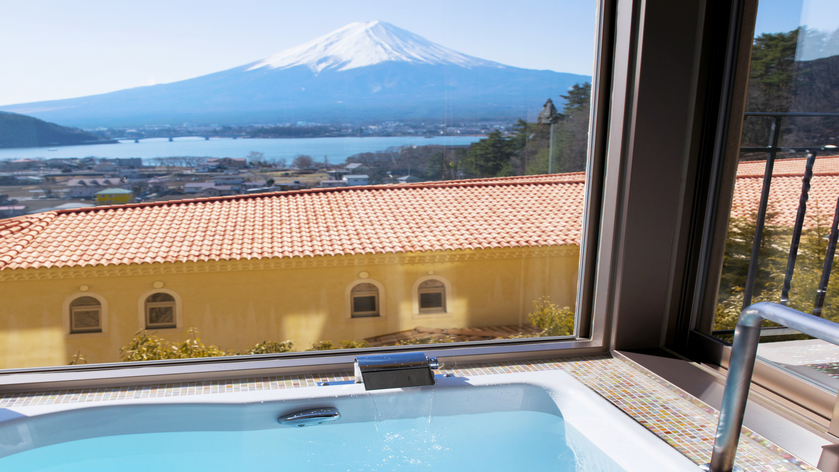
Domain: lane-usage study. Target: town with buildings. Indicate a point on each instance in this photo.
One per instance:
(37, 185)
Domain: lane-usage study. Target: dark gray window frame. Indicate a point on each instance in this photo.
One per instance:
(714, 176)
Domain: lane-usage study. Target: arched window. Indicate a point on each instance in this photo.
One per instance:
(364, 300)
(160, 311)
(85, 315)
(432, 296)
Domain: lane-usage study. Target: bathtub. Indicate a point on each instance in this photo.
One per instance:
(526, 421)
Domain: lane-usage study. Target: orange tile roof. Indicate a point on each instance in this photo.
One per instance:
(567, 177)
(523, 211)
(795, 166)
(492, 213)
(785, 190)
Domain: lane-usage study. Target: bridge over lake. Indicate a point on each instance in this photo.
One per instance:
(172, 138)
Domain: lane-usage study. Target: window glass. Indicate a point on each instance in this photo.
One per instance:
(368, 174)
(160, 297)
(160, 311)
(792, 125)
(365, 300)
(431, 301)
(364, 305)
(85, 315)
(432, 296)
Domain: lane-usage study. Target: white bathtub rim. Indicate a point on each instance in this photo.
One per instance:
(623, 439)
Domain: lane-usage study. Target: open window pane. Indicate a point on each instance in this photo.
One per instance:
(332, 182)
(787, 187)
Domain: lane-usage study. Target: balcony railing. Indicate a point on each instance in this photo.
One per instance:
(772, 150)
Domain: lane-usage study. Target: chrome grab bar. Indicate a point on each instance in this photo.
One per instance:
(310, 417)
(741, 366)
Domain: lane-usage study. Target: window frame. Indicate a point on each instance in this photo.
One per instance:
(613, 27)
(379, 295)
(142, 310)
(418, 312)
(83, 308)
(167, 304)
(67, 314)
(437, 308)
(690, 330)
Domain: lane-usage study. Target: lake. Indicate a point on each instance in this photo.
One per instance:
(335, 149)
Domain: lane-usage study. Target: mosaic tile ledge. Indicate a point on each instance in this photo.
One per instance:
(784, 455)
(661, 407)
(831, 368)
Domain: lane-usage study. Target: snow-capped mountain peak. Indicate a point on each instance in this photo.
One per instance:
(364, 44)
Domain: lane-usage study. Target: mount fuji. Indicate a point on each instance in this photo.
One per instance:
(363, 72)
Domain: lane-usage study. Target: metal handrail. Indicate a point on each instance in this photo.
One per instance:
(742, 364)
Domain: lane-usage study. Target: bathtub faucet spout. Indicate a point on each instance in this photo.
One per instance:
(404, 369)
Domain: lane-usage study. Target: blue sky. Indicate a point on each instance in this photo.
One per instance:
(81, 47)
(75, 48)
(786, 15)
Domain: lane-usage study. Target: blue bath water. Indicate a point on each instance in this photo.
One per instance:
(504, 441)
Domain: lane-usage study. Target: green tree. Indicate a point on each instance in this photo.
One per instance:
(578, 99)
(256, 158)
(437, 166)
(772, 263)
(571, 139)
(303, 162)
(570, 135)
(772, 71)
(529, 143)
(738, 251)
(489, 157)
(771, 78)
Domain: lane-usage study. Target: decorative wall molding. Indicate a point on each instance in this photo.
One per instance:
(201, 267)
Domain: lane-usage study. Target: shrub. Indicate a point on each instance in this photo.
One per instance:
(321, 346)
(327, 345)
(78, 358)
(271, 347)
(551, 319)
(148, 347)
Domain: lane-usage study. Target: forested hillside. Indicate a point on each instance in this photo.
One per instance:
(25, 131)
(780, 83)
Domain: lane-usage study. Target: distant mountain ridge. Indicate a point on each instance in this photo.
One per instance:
(18, 131)
(362, 72)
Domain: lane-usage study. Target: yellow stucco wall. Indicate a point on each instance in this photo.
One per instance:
(237, 304)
